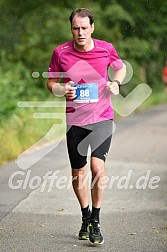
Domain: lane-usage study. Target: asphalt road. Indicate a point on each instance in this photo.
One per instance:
(134, 211)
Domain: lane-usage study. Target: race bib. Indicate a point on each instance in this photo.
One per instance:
(87, 92)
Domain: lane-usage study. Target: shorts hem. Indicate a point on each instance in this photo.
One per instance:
(79, 166)
(99, 157)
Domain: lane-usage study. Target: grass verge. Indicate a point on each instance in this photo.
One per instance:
(22, 130)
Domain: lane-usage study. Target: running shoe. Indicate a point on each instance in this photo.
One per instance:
(95, 236)
(84, 233)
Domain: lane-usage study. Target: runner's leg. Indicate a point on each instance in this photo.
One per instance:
(97, 187)
(80, 186)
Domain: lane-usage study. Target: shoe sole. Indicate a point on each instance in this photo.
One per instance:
(96, 243)
(83, 238)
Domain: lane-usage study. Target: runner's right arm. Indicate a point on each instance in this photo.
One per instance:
(67, 90)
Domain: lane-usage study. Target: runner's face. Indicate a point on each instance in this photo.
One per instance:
(82, 30)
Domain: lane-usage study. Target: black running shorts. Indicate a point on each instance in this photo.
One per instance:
(97, 135)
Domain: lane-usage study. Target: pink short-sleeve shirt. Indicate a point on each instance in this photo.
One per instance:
(86, 67)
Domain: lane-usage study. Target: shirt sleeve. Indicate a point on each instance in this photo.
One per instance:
(54, 67)
(115, 61)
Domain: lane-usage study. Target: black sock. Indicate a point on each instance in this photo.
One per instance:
(86, 212)
(95, 214)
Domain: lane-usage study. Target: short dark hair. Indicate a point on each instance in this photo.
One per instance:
(82, 12)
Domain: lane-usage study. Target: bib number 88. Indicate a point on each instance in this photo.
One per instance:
(84, 93)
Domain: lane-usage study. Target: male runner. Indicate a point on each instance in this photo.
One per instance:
(89, 111)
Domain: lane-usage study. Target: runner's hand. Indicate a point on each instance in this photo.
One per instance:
(70, 92)
(113, 87)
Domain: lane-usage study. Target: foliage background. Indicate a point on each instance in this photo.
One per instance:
(30, 30)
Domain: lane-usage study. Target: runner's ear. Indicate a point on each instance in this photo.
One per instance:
(92, 27)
